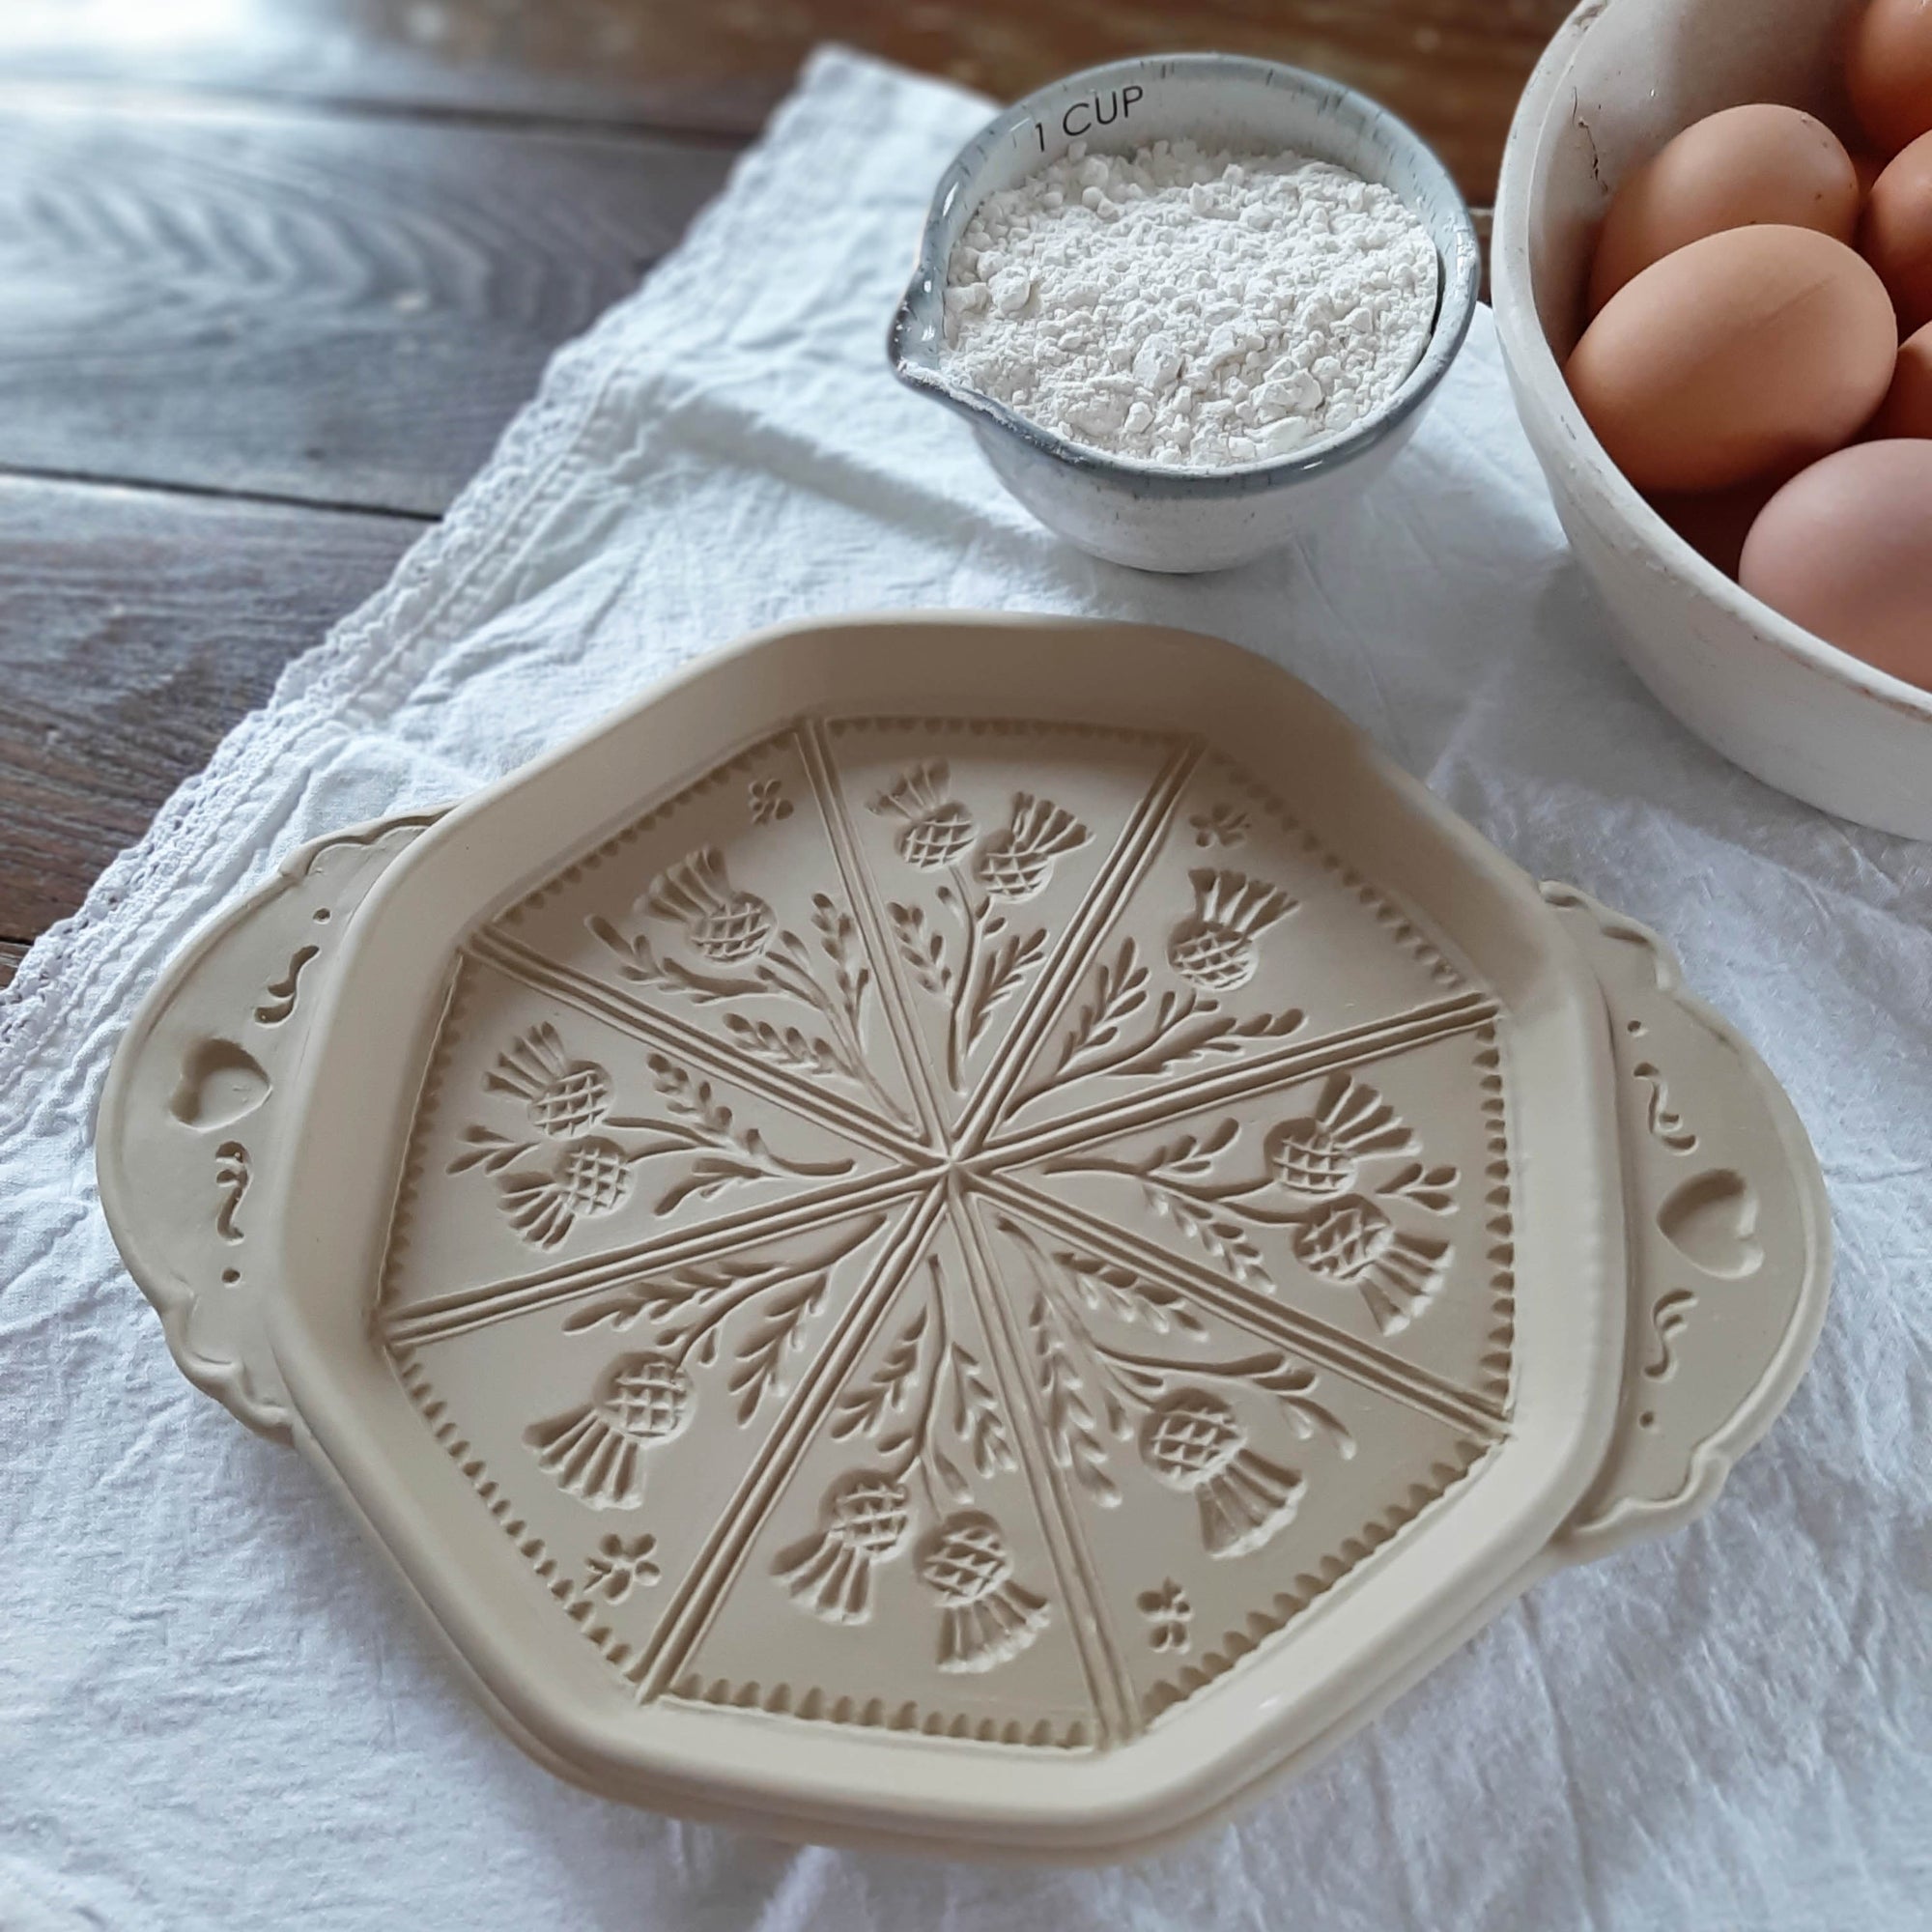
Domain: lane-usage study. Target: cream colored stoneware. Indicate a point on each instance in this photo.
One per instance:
(966, 1233)
(1618, 81)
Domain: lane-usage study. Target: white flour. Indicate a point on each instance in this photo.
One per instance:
(1190, 309)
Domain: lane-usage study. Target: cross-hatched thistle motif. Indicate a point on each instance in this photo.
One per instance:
(564, 1096)
(1082, 1364)
(1214, 947)
(596, 1451)
(727, 926)
(1017, 861)
(937, 828)
(988, 1617)
(1322, 1152)
(1338, 1243)
(863, 1519)
(1354, 1243)
(592, 1176)
(1194, 1440)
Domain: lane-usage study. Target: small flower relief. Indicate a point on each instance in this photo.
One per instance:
(727, 926)
(620, 1564)
(937, 829)
(1221, 824)
(767, 800)
(1168, 1613)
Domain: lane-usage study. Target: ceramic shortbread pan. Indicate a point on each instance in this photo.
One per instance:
(961, 1231)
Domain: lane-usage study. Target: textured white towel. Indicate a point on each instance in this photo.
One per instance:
(214, 1708)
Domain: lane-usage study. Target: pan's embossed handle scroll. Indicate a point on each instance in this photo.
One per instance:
(186, 1143)
(1729, 1240)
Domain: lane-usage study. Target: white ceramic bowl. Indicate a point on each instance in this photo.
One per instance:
(1144, 514)
(1619, 79)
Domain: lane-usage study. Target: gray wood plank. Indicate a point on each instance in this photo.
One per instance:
(11, 952)
(313, 306)
(630, 63)
(135, 628)
(1451, 68)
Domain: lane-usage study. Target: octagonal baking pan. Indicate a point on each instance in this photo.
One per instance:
(954, 1231)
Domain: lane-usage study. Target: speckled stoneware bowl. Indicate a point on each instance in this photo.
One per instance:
(1149, 514)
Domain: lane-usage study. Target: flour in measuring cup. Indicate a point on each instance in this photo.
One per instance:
(1190, 309)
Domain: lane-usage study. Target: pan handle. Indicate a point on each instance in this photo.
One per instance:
(1729, 1240)
(189, 1139)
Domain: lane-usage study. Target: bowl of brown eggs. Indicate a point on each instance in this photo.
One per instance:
(1713, 282)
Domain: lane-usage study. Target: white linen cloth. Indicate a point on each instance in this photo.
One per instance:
(215, 1709)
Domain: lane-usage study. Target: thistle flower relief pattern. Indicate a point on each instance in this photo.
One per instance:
(596, 1451)
(865, 1519)
(1194, 1441)
(960, 937)
(980, 1245)
(987, 1614)
(1217, 944)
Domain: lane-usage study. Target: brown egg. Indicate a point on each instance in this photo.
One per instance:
(1747, 164)
(1889, 70)
(1897, 233)
(1845, 549)
(1908, 404)
(1743, 352)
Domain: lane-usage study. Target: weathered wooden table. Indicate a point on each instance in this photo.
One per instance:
(274, 273)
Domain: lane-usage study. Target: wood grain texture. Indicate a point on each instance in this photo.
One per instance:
(303, 305)
(11, 952)
(1452, 68)
(318, 250)
(135, 628)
